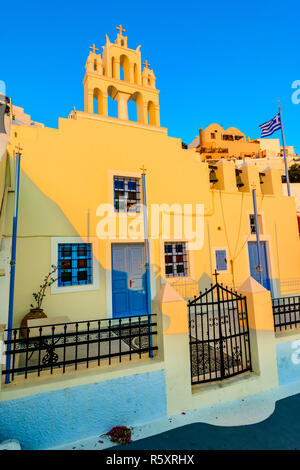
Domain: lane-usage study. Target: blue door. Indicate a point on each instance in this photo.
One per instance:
(253, 258)
(128, 280)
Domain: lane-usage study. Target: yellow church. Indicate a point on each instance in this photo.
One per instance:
(81, 189)
(143, 269)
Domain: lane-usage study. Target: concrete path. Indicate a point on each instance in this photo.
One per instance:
(267, 420)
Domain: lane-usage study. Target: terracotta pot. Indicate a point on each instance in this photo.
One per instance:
(32, 315)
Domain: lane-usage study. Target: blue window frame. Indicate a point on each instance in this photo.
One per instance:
(75, 264)
(221, 261)
(127, 196)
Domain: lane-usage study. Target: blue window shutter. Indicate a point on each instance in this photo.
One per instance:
(221, 260)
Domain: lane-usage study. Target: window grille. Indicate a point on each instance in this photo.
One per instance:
(175, 259)
(75, 264)
(252, 224)
(127, 196)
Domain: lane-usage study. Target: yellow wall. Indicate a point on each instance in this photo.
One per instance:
(68, 171)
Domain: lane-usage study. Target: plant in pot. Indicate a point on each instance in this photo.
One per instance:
(36, 310)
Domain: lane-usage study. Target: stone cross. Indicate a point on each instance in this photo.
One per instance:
(94, 48)
(216, 274)
(143, 170)
(121, 29)
(146, 64)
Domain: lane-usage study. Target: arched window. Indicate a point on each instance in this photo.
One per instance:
(137, 98)
(121, 73)
(95, 105)
(132, 110)
(151, 113)
(112, 104)
(97, 101)
(112, 107)
(124, 63)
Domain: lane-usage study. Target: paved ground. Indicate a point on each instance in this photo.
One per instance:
(269, 420)
(281, 431)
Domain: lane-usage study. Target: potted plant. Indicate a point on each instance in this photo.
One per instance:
(36, 310)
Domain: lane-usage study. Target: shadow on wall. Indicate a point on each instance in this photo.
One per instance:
(40, 220)
(205, 282)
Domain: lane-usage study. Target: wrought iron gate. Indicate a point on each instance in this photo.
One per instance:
(219, 335)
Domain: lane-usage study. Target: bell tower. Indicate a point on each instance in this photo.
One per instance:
(103, 79)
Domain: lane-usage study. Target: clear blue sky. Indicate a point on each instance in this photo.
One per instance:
(225, 62)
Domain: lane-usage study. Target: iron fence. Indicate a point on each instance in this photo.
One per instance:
(286, 312)
(219, 335)
(61, 346)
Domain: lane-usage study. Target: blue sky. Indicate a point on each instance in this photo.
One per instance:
(226, 62)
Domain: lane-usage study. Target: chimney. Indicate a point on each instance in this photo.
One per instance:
(200, 137)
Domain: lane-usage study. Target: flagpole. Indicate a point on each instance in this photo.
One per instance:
(13, 265)
(259, 266)
(284, 153)
(147, 256)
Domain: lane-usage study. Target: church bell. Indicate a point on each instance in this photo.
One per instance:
(239, 181)
(213, 177)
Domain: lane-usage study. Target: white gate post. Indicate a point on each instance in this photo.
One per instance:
(261, 329)
(176, 348)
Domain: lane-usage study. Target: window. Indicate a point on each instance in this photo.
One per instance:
(253, 226)
(126, 194)
(221, 261)
(227, 137)
(213, 136)
(175, 259)
(74, 264)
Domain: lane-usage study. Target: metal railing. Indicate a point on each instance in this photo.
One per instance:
(286, 312)
(61, 346)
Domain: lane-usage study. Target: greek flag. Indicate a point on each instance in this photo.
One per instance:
(271, 126)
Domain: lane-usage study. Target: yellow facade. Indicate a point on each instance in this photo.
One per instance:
(67, 173)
